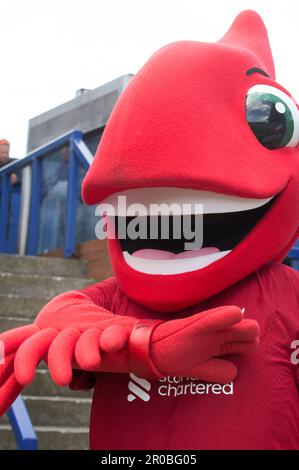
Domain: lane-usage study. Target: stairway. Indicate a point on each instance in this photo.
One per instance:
(60, 416)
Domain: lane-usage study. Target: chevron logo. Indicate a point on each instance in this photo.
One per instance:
(138, 388)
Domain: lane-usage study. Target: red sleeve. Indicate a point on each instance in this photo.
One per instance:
(86, 308)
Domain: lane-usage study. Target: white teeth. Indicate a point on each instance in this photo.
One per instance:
(127, 202)
(173, 266)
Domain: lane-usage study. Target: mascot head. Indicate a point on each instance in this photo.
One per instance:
(202, 123)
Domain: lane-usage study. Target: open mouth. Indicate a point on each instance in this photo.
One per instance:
(226, 221)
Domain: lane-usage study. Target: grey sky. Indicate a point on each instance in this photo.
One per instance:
(49, 49)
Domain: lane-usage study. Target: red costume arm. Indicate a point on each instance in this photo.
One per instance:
(76, 330)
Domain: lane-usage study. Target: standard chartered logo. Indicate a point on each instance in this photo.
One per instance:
(138, 388)
(174, 387)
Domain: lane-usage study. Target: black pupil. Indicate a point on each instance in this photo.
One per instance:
(268, 125)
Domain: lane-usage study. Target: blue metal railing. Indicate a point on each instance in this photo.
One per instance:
(294, 256)
(22, 428)
(14, 212)
(12, 230)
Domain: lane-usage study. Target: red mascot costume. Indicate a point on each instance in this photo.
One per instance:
(188, 349)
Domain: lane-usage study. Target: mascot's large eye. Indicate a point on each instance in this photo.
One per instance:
(272, 116)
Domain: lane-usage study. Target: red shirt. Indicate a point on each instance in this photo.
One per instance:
(260, 410)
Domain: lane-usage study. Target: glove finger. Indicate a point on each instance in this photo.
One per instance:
(8, 393)
(209, 321)
(13, 338)
(30, 353)
(214, 370)
(7, 368)
(239, 348)
(87, 351)
(60, 356)
(218, 319)
(245, 330)
(114, 338)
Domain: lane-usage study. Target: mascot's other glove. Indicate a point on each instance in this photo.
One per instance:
(190, 347)
(72, 332)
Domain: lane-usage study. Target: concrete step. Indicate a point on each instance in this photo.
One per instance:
(44, 386)
(8, 323)
(46, 266)
(56, 411)
(13, 305)
(50, 438)
(39, 286)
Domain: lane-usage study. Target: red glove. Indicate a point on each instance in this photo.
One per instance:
(190, 347)
(72, 331)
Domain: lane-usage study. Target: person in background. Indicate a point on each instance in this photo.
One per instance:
(5, 159)
(54, 190)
